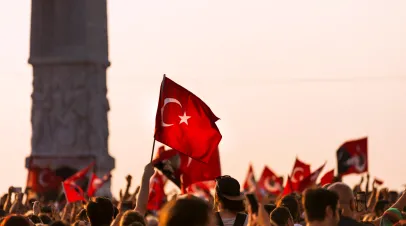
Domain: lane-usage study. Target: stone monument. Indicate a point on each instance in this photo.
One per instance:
(69, 56)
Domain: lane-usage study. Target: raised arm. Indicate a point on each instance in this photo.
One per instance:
(142, 200)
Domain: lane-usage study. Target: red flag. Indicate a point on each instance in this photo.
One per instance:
(310, 180)
(250, 182)
(73, 192)
(269, 183)
(300, 171)
(201, 189)
(80, 174)
(352, 157)
(96, 183)
(378, 182)
(157, 196)
(185, 123)
(42, 180)
(185, 171)
(328, 178)
(288, 188)
(197, 171)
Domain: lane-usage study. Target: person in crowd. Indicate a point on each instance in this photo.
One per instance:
(100, 211)
(269, 208)
(321, 207)
(393, 197)
(151, 220)
(229, 202)
(281, 217)
(82, 216)
(348, 212)
(81, 223)
(190, 211)
(132, 218)
(15, 220)
(380, 207)
(34, 219)
(59, 223)
(45, 218)
(292, 204)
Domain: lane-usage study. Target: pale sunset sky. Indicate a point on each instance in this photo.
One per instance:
(286, 78)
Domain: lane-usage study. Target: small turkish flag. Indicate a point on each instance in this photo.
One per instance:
(250, 182)
(185, 123)
(328, 178)
(96, 183)
(269, 183)
(352, 157)
(310, 180)
(300, 171)
(378, 182)
(73, 192)
(157, 196)
(80, 174)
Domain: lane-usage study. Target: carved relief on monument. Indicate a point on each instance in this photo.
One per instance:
(69, 111)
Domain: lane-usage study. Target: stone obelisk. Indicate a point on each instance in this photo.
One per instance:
(69, 56)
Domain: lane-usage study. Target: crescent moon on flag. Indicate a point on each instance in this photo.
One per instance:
(293, 179)
(167, 101)
(272, 188)
(41, 179)
(359, 164)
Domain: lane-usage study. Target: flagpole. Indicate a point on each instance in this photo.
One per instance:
(160, 94)
(153, 148)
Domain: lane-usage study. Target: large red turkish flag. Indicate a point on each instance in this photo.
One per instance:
(352, 157)
(185, 123)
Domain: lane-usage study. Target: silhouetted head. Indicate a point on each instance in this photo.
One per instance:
(100, 211)
(190, 211)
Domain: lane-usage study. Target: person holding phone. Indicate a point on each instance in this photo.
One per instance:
(229, 202)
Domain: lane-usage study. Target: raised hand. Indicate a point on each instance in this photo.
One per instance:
(133, 198)
(129, 179)
(36, 208)
(149, 171)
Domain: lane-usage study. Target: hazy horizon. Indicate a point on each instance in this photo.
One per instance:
(287, 79)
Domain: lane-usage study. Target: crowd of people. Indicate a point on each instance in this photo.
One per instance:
(333, 204)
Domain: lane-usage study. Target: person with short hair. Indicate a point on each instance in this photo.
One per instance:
(189, 211)
(132, 217)
(45, 219)
(15, 220)
(281, 216)
(347, 204)
(321, 207)
(292, 204)
(100, 211)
